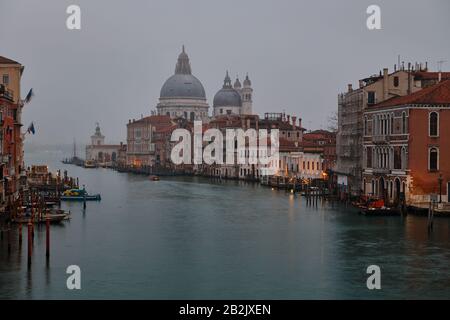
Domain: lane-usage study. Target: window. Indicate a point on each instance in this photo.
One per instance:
(397, 158)
(433, 159)
(396, 81)
(433, 124)
(369, 157)
(371, 97)
(404, 127)
(392, 123)
(6, 79)
(365, 126)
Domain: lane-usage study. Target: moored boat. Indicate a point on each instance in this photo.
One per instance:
(90, 164)
(79, 195)
(154, 178)
(54, 216)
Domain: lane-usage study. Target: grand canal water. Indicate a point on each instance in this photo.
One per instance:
(189, 238)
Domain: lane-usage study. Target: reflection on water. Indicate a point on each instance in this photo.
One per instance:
(194, 238)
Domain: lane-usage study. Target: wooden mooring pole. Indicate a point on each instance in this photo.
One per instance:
(30, 242)
(430, 216)
(9, 238)
(20, 235)
(47, 236)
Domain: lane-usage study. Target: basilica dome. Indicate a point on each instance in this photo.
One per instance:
(182, 84)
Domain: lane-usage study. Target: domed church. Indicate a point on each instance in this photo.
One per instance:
(233, 100)
(183, 95)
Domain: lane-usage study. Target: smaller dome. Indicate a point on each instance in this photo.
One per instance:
(227, 96)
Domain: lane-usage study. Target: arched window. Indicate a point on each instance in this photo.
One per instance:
(434, 124)
(365, 126)
(404, 128)
(403, 158)
(433, 159)
(392, 123)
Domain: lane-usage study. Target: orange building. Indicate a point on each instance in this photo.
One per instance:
(8, 157)
(407, 147)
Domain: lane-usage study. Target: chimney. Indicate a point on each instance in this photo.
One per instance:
(300, 122)
(350, 89)
(439, 76)
(288, 119)
(385, 83)
(361, 84)
(409, 77)
(294, 118)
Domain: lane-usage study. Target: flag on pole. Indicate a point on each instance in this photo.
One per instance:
(29, 96)
(31, 128)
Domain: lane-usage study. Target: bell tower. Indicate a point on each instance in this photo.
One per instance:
(97, 138)
(247, 96)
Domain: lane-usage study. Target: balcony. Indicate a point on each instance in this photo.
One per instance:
(380, 170)
(380, 139)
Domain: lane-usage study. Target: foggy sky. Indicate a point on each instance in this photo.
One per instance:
(299, 54)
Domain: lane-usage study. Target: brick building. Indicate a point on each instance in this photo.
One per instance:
(352, 104)
(406, 146)
(11, 139)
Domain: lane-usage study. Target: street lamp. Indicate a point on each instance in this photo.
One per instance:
(440, 187)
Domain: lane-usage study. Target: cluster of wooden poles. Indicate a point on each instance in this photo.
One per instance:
(38, 208)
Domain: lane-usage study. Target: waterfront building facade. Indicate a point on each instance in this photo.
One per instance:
(101, 153)
(183, 95)
(11, 137)
(352, 104)
(322, 142)
(141, 143)
(405, 149)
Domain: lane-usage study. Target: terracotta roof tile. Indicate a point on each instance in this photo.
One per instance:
(4, 60)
